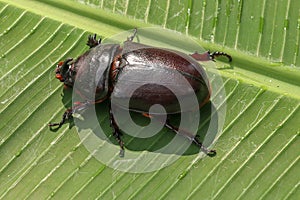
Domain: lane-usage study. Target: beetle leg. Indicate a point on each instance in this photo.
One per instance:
(201, 57)
(215, 54)
(79, 106)
(210, 153)
(193, 138)
(208, 56)
(92, 41)
(133, 35)
(67, 115)
(116, 132)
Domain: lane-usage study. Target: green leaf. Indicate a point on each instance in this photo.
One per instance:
(258, 149)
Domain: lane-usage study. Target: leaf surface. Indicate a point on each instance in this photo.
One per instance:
(258, 149)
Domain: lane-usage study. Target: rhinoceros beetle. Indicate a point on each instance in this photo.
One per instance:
(133, 58)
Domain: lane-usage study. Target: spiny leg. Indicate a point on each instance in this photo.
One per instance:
(194, 139)
(209, 152)
(68, 114)
(116, 131)
(208, 56)
(215, 54)
(92, 41)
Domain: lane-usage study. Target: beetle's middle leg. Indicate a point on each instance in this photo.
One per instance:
(116, 131)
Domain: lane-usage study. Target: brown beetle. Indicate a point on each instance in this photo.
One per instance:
(111, 63)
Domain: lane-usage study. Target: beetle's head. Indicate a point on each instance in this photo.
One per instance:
(65, 72)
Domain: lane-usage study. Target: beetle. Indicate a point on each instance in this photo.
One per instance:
(135, 59)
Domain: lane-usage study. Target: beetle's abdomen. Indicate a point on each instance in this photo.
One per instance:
(158, 76)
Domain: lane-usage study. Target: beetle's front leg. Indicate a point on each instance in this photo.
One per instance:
(68, 114)
(116, 131)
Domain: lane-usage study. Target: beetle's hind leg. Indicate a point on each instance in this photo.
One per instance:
(193, 138)
(92, 41)
(210, 56)
(116, 132)
(209, 152)
(215, 54)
